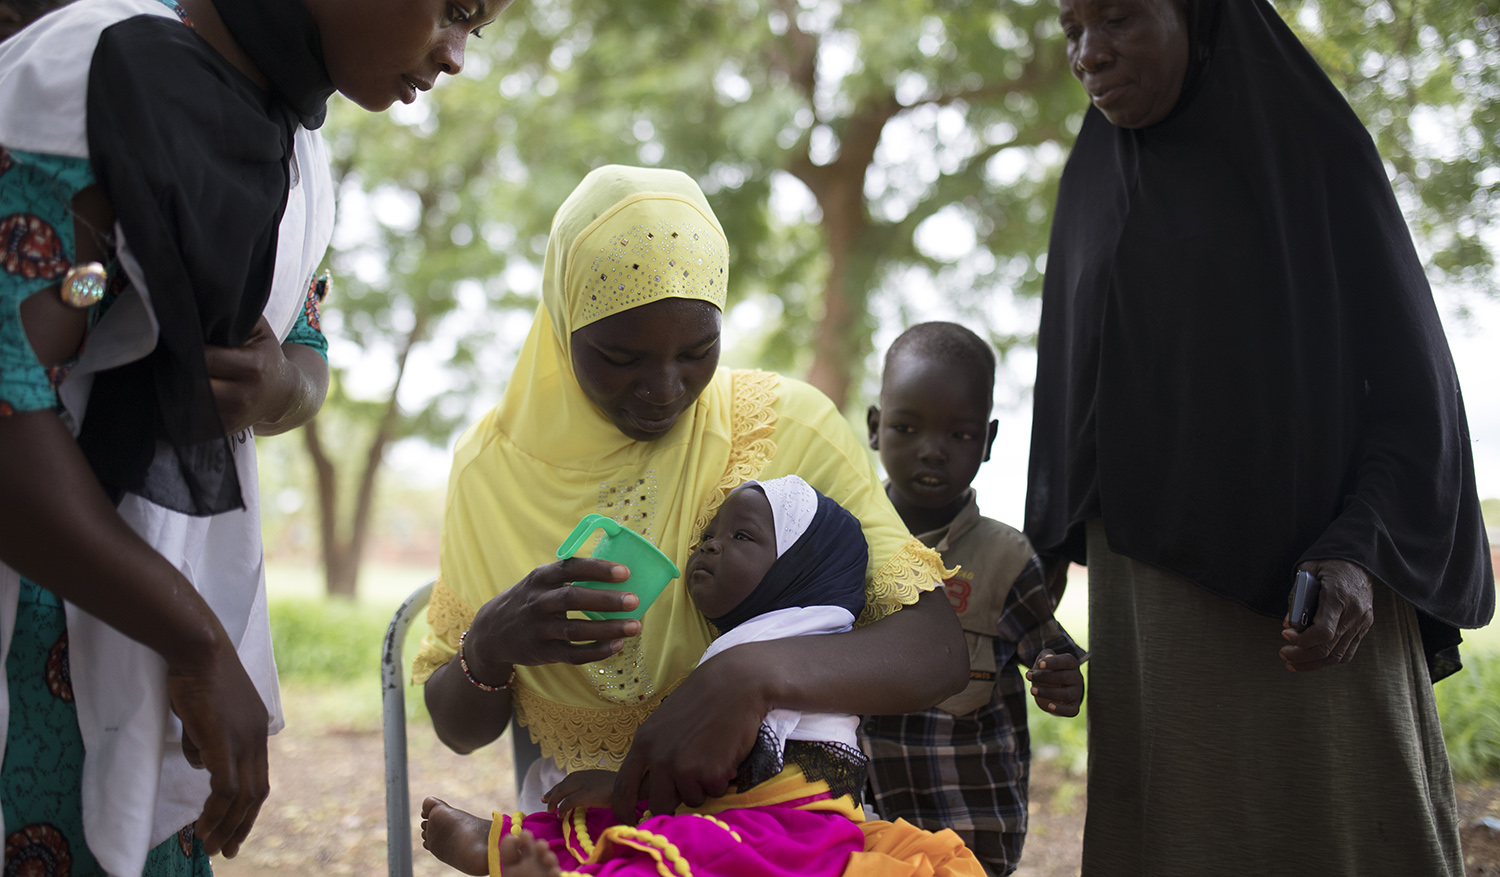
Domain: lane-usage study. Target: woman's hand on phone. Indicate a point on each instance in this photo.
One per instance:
(1345, 613)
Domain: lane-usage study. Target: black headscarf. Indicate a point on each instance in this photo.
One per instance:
(1240, 365)
(194, 159)
(824, 567)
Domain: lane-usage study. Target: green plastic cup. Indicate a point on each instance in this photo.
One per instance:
(650, 570)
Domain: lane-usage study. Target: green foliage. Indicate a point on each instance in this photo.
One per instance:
(328, 658)
(1469, 704)
(867, 159)
(1063, 739)
(327, 640)
(1490, 509)
(962, 111)
(1424, 76)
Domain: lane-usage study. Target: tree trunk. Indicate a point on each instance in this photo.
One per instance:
(839, 188)
(835, 338)
(343, 555)
(340, 576)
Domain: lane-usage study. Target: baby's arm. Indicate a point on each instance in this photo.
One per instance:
(581, 788)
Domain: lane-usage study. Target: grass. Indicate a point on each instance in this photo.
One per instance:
(1469, 704)
(328, 651)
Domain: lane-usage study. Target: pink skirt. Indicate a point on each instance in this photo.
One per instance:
(777, 840)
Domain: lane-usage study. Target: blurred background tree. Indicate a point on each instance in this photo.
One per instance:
(864, 157)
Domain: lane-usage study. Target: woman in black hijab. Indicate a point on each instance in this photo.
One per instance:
(1242, 374)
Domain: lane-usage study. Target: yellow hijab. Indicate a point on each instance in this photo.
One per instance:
(546, 456)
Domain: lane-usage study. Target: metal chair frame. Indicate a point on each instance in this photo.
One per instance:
(393, 724)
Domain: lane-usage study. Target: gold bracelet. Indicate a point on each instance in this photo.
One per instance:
(464, 665)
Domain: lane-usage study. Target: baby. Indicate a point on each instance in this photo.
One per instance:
(779, 559)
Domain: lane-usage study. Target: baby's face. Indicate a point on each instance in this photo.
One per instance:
(738, 548)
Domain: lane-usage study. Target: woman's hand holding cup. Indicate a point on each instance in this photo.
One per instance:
(529, 624)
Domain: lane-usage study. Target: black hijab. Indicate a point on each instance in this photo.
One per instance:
(824, 567)
(195, 160)
(1240, 365)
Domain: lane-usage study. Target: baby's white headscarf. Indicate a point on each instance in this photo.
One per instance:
(793, 505)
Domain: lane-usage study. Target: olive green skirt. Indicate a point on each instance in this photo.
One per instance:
(1207, 756)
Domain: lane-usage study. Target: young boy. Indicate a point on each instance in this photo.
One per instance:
(964, 764)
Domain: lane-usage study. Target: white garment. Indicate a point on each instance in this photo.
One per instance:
(138, 789)
(783, 724)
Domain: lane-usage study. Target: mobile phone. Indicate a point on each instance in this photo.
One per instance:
(1304, 600)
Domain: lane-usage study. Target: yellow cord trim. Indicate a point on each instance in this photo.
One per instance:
(448, 617)
(670, 862)
(910, 572)
(751, 426)
(575, 828)
(582, 738)
(515, 822)
(492, 852)
(722, 824)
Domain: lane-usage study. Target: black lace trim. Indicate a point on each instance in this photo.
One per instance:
(763, 762)
(843, 767)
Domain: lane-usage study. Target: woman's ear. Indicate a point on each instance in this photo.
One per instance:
(872, 422)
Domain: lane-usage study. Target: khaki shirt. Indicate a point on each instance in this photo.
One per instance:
(990, 556)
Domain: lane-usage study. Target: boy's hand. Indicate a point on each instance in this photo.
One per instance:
(581, 788)
(1056, 683)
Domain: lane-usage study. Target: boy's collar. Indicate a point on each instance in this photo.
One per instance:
(940, 538)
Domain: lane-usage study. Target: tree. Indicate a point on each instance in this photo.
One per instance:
(855, 152)
(401, 285)
(1424, 75)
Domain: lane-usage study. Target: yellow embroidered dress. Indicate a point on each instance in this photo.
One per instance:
(546, 456)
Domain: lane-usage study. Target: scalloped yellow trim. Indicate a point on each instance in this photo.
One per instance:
(657, 847)
(575, 828)
(910, 572)
(582, 738)
(752, 424)
(448, 617)
(722, 824)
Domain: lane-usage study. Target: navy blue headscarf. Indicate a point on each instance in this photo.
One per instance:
(824, 567)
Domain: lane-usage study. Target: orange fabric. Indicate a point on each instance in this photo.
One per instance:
(900, 849)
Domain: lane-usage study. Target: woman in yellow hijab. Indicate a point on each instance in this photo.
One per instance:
(617, 406)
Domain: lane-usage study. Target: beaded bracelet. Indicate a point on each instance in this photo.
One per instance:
(464, 665)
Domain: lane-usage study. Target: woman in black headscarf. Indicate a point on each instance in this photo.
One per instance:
(1242, 374)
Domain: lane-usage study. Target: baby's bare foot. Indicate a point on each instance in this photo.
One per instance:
(458, 839)
(522, 855)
